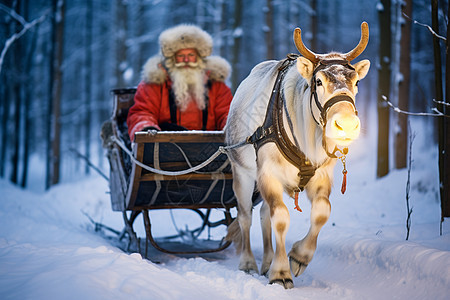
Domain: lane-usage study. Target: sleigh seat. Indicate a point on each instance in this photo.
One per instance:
(136, 189)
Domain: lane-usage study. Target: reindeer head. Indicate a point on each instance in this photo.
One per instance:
(333, 84)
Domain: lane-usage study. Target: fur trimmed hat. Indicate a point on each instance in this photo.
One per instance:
(218, 67)
(185, 36)
(153, 71)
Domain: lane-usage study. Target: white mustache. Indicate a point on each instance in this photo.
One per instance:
(184, 64)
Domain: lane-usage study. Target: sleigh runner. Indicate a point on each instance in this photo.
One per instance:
(138, 185)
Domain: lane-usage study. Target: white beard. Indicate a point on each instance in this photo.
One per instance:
(188, 84)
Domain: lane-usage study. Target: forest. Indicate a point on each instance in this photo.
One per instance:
(61, 59)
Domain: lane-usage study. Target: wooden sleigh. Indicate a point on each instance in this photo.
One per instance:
(136, 189)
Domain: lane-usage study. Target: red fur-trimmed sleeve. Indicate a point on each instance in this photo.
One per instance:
(146, 109)
(222, 99)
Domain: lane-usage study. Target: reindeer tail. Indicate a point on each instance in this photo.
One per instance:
(234, 235)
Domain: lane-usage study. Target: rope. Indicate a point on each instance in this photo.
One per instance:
(221, 150)
(231, 147)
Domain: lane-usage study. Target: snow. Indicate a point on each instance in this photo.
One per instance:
(238, 32)
(50, 250)
(380, 7)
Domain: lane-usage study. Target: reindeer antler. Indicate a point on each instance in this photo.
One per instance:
(361, 45)
(351, 55)
(302, 48)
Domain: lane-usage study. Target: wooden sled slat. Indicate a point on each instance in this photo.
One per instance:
(153, 177)
(210, 187)
(181, 137)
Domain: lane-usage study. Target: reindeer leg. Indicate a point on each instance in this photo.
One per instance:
(267, 238)
(272, 192)
(243, 186)
(302, 251)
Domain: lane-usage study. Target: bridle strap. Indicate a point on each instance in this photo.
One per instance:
(323, 110)
(332, 101)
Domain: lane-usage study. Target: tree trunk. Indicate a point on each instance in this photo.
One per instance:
(437, 55)
(17, 74)
(223, 49)
(120, 43)
(294, 19)
(314, 27)
(17, 112)
(439, 97)
(237, 36)
(4, 108)
(444, 172)
(401, 134)
(200, 15)
(384, 87)
(56, 85)
(28, 94)
(268, 30)
(141, 30)
(88, 79)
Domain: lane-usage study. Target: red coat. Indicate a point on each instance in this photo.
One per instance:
(151, 108)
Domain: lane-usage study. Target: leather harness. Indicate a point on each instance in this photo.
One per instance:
(273, 129)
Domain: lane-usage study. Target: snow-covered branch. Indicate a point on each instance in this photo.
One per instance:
(398, 110)
(13, 14)
(428, 27)
(26, 26)
(441, 102)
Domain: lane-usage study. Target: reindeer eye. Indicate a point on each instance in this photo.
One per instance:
(319, 82)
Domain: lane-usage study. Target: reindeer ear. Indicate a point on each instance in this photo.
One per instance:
(305, 67)
(362, 67)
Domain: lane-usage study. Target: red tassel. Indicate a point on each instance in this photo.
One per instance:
(344, 182)
(296, 202)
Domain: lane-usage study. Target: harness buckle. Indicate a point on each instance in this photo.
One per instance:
(259, 134)
(307, 171)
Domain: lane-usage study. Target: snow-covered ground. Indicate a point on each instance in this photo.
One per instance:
(49, 249)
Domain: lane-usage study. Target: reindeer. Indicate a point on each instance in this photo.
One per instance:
(299, 128)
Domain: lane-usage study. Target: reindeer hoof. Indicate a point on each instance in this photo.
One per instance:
(249, 268)
(286, 283)
(248, 264)
(297, 267)
(265, 270)
(250, 271)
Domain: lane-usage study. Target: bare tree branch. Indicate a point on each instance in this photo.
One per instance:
(26, 26)
(89, 163)
(441, 102)
(13, 14)
(427, 26)
(398, 110)
(431, 30)
(100, 226)
(409, 210)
